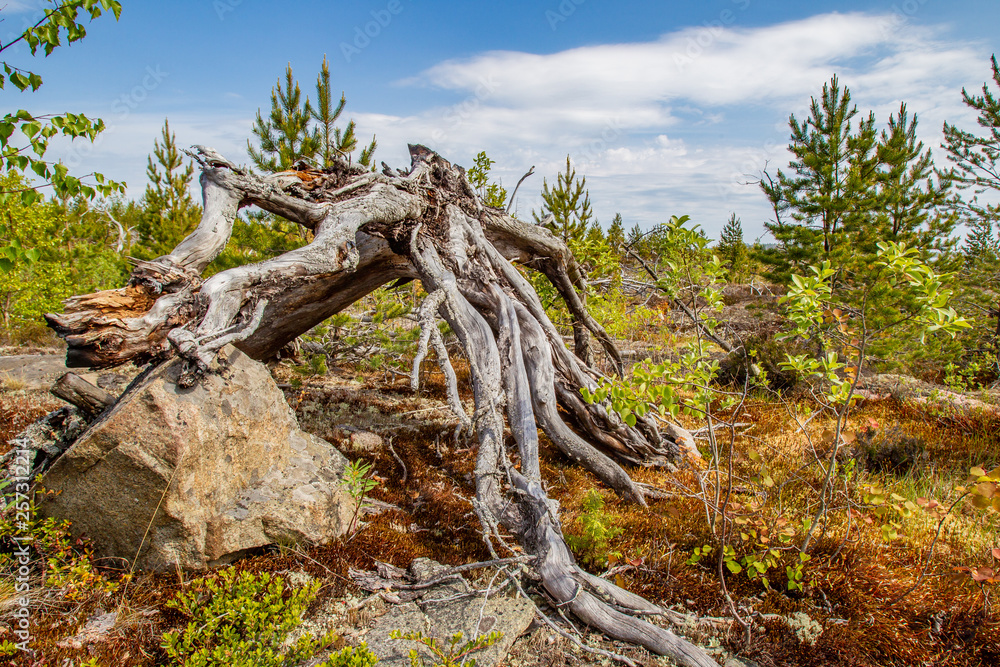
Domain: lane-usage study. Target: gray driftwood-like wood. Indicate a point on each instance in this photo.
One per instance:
(370, 229)
(75, 390)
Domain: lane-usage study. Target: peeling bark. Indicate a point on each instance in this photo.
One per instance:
(371, 229)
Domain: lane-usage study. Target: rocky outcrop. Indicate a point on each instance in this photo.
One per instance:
(906, 389)
(174, 477)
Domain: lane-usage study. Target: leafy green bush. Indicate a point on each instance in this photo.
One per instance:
(351, 657)
(243, 620)
(51, 252)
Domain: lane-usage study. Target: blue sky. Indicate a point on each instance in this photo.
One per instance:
(667, 107)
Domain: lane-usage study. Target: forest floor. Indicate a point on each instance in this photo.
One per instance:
(850, 608)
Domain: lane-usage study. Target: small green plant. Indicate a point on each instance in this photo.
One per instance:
(963, 378)
(359, 483)
(698, 554)
(449, 653)
(315, 366)
(241, 620)
(491, 194)
(351, 657)
(796, 573)
(597, 532)
(60, 563)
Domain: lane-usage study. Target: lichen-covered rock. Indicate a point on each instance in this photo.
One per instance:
(41, 442)
(194, 477)
(444, 610)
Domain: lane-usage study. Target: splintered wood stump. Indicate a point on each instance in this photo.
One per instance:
(75, 390)
(370, 229)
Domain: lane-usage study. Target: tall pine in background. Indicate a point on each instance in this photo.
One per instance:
(568, 202)
(295, 130)
(977, 157)
(169, 212)
(982, 245)
(616, 236)
(851, 187)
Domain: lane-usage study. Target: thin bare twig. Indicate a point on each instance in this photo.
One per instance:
(930, 554)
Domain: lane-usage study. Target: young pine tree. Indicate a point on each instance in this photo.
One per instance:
(295, 130)
(595, 234)
(912, 206)
(332, 140)
(982, 246)
(638, 242)
(832, 183)
(285, 136)
(731, 249)
(569, 204)
(616, 235)
(169, 212)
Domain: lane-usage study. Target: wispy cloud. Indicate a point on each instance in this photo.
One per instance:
(18, 6)
(635, 116)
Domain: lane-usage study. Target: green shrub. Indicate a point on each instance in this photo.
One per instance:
(57, 562)
(351, 657)
(243, 620)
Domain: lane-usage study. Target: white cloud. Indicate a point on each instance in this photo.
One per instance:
(716, 67)
(636, 118)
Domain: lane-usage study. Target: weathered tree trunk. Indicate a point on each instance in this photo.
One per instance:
(371, 229)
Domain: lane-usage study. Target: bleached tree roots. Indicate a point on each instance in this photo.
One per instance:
(370, 230)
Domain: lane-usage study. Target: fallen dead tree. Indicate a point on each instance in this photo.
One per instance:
(372, 229)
